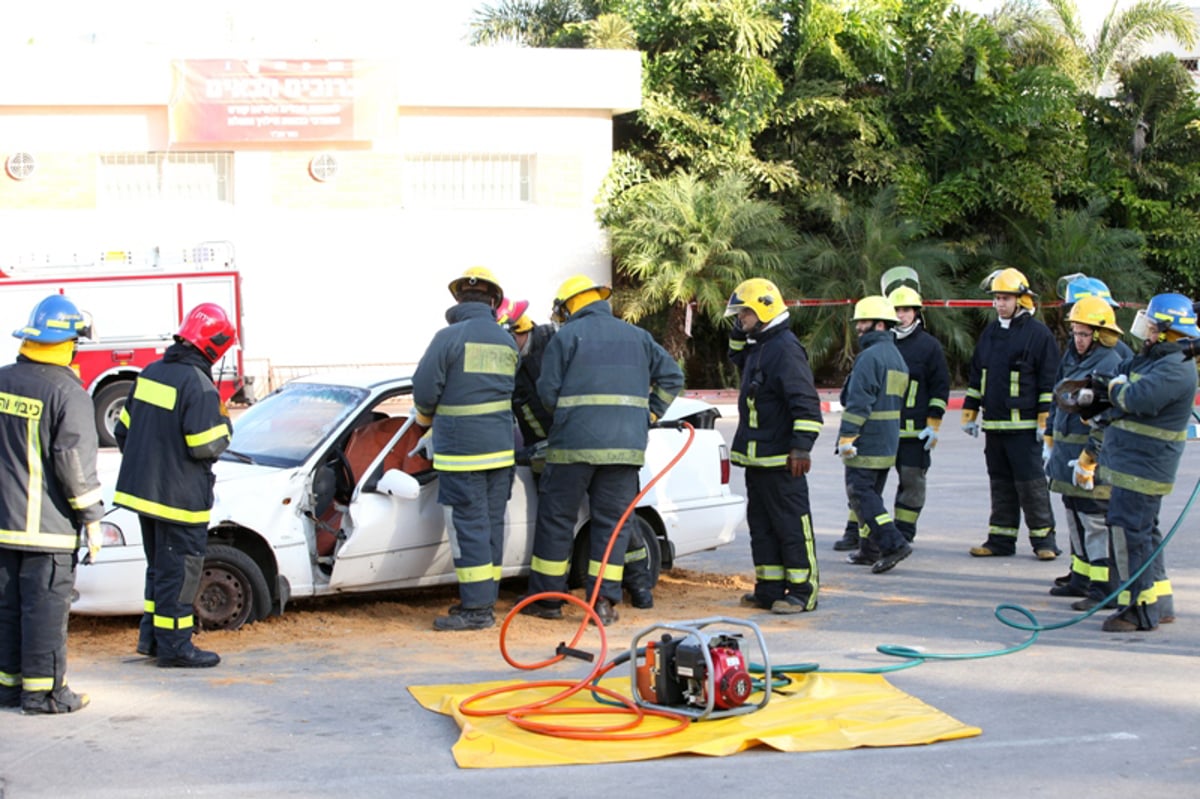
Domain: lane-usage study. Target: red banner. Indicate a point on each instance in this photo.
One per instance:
(270, 100)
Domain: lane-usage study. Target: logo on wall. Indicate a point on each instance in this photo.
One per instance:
(248, 100)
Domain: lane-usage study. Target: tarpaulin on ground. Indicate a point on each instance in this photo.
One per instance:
(818, 712)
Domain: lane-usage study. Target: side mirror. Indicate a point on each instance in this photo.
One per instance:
(398, 484)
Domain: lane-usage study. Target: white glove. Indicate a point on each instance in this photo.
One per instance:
(424, 447)
(1083, 476)
(93, 538)
(1046, 450)
(1114, 383)
(971, 428)
(930, 437)
(846, 449)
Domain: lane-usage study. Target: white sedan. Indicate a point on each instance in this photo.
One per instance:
(317, 495)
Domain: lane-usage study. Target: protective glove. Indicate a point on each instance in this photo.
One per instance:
(1114, 383)
(970, 422)
(846, 448)
(424, 447)
(1047, 447)
(799, 461)
(93, 538)
(930, 434)
(1084, 474)
(1043, 419)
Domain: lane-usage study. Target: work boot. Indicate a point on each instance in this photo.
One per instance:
(61, 700)
(542, 610)
(1046, 553)
(1066, 590)
(193, 658)
(790, 604)
(985, 551)
(460, 618)
(890, 559)
(847, 542)
(1065, 579)
(641, 598)
(1123, 622)
(11, 697)
(1089, 602)
(866, 555)
(147, 647)
(751, 600)
(605, 610)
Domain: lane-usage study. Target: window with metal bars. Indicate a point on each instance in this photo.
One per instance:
(468, 180)
(166, 177)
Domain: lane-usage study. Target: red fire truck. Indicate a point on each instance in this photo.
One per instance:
(136, 300)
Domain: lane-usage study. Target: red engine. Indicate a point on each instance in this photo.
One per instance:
(675, 671)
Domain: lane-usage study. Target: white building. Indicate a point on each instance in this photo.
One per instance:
(346, 239)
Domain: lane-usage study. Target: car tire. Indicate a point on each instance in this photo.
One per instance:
(108, 403)
(641, 531)
(233, 590)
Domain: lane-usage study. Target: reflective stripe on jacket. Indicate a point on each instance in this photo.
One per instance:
(1147, 425)
(778, 406)
(1071, 435)
(465, 383)
(48, 482)
(871, 400)
(603, 378)
(1012, 374)
(172, 429)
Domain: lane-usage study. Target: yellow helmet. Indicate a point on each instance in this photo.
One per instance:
(478, 278)
(905, 297)
(1094, 312)
(759, 295)
(576, 292)
(874, 308)
(1010, 281)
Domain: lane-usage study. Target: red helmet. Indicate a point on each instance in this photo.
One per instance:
(207, 327)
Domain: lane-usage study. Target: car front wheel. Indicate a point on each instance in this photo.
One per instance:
(640, 533)
(232, 590)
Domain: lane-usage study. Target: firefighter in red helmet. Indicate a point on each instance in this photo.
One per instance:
(171, 431)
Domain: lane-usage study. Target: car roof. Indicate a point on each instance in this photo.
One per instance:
(370, 377)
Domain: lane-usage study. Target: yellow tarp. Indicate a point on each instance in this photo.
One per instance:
(819, 712)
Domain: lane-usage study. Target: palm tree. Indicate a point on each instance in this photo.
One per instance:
(533, 23)
(847, 257)
(686, 242)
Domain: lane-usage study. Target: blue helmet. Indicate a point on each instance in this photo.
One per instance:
(1173, 312)
(1100, 289)
(1079, 286)
(53, 320)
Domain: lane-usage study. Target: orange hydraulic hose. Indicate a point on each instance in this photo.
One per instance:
(519, 714)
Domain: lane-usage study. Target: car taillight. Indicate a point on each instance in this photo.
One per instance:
(724, 465)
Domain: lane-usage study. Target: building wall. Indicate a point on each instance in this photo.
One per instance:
(353, 269)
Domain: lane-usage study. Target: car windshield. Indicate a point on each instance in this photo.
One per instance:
(286, 426)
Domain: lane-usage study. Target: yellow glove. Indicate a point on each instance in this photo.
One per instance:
(1084, 475)
(93, 539)
(846, 448)
(970, 422)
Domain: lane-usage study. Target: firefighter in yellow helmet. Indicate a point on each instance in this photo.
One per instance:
(604, 381)
(869, 435)
(1071, 448)
(779, 419)
(49, 489)
(1010, 386)
(463, 387)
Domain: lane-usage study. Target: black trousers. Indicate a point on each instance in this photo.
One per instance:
(35, 599)
(174, 564)
(781, 537)
(1018, 486)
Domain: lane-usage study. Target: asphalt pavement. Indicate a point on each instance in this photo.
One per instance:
(1079, 711)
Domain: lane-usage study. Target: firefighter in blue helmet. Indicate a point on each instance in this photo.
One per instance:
(463, 387)
(1152, 398)
(49, 488)
(605, 381)
(171, 431)
(779, 419)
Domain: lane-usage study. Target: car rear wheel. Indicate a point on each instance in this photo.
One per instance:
(232, 590)
(640, 532)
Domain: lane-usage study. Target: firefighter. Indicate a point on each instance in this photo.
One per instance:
(605, 381)
(463, 387)
(1011, 380)
(920, 417)
(50, 490)
(779, 419)
(1091, 349)
(171, 431)
(1152, 398)
(869, 436)
(534, 421)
